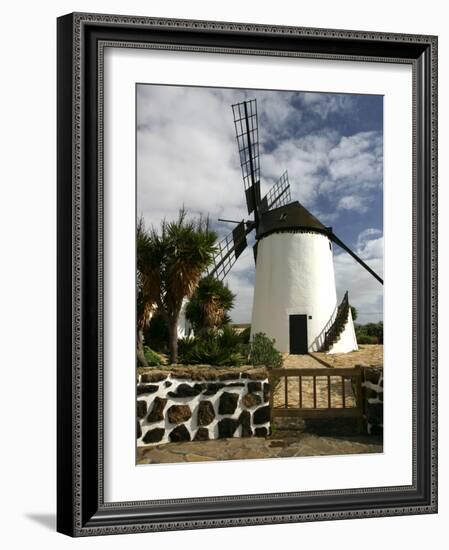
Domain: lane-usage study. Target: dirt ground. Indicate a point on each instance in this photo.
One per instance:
(367, 355)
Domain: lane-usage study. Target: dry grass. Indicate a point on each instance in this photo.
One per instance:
(367, 355)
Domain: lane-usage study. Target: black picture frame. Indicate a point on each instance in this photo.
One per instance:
(81, 509)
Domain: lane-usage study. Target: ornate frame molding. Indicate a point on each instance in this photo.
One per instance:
(81, 42)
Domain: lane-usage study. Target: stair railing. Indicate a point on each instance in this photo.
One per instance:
(337, 327)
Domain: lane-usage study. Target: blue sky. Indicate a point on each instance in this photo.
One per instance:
(331, 145)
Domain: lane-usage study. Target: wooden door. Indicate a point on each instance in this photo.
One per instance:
(298, 334)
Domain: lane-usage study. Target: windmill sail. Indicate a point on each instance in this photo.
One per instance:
(342, 245)
(247, 134)
(278, 195)
(229, 249)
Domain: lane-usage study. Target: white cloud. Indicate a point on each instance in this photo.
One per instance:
(306, 160)
(274, 112)
(366, 235)
(357, 161)
(326, 164)
(241, 281)
(325, 104)
(365, 292)
(186, 154)
(352, 202)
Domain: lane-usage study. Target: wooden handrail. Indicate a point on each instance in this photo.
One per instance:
(338, 371)
(338, 325)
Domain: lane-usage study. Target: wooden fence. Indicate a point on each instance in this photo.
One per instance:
(349, 403)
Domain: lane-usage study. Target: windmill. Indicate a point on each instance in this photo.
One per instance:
(295, 299)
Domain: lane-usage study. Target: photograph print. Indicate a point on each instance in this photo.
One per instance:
(259, 274)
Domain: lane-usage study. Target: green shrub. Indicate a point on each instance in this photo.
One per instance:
(223, 348)
(152, 357)
(263, 352)
(228, 338)
(365, 339)
(186, 346)
(371, 333)
(245, 335)
(209, 306)
(156, 333)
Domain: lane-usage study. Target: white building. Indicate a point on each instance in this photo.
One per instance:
(295, 300)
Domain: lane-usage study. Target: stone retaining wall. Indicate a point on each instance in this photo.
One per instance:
(373, 398)
(201, 403)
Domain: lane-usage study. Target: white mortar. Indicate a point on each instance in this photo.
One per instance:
(193, 402)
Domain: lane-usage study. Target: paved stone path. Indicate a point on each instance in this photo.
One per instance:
(293, 445)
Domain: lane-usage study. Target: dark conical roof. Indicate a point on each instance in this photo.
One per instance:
(291, 217)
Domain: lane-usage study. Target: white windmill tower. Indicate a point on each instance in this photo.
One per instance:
(295, 299)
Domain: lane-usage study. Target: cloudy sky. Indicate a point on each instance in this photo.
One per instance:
(331, 145)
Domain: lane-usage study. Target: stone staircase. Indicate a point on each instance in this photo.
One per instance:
(333, 334)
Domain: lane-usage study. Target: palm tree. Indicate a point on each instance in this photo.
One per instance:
(170, 265)
(209, 306)
(146, 285)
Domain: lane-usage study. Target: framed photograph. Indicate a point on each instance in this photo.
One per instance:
(247, 277)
